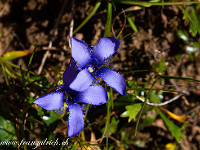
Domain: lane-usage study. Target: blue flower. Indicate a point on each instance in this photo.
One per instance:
(94, 95)
(93, 64)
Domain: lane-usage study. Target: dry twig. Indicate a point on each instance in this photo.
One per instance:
(161, 104)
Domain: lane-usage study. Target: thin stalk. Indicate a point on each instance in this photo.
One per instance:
(10, 72)
(109, 103)
(88, 106)
(16, 66)
(137, 123)
(23, 78)
(124, 38)
(25, 103)
(30, 61)
(32, 134)
(109, 21)
(180, 78)
(160, 90)
(88, 17)
(133, 72)
(58, 115)
(148, 4)
(22, 127)
(5, 75)
(132, 24)
(111, 97)
(82, 132)
(120, 32)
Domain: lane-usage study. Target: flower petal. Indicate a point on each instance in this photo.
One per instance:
(51, 101)
(94, 95)
(105, 48)
(70, 73)
(75, 122)
(82, 81)
(113, 79)
(80, 52)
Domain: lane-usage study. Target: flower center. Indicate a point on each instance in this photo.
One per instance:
(93, 67)
(90, 69)
(69, 96)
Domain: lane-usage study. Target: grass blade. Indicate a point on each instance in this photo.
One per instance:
(88, 17)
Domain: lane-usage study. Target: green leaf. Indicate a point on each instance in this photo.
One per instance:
(132, 24)
(183, 35)
(113, 126)
(156, 97)
(137, 89)
(190, 49)
(50, 119)
(194, 25)
(160, 67)
(191, 15)
(132, 111)
(15, 54)
(40, 110)
(7, 130)
(124, 100)
(175, 130)
(150, 117)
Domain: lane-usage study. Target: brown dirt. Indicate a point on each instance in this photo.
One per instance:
(24, 23)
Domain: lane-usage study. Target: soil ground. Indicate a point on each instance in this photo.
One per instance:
(25, 23)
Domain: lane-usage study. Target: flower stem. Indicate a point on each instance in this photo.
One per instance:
(82, 132)
(109, 21)
(106, 129)
(140, 113)
(110, 104)
(148, 4)
(30, 61)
